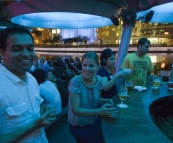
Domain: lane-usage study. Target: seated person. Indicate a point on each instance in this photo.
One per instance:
(47, 66)
(61, 85)
(76, 66)
(61, 72)
(48, 91)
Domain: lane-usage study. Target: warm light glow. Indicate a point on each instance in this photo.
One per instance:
(62, 20)
(166, 33)
(162, 65)
(40, 29)
(58, 31)
(53, 31)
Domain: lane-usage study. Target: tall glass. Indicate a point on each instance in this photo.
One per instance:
(129, 86)
(122, 96)
(156, 83)
(170, 84)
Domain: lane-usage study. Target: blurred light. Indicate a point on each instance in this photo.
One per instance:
(61, 20)
(153, 59)
(53, 31)
(166, 33)
(162, 65)
(58, 31)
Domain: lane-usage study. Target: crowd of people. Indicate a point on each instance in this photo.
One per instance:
(34, 90)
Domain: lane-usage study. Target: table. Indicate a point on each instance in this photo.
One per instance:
(133, 124)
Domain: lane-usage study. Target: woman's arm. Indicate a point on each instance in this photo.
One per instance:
(105, 110)
(106, 85)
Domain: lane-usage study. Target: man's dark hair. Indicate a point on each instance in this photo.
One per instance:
(142, 41)
(6, 32)
(59, 63)
(54, 71)
(40, 75)
(77, 59)
(105, 54)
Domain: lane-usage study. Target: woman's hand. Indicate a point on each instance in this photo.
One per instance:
(47, 116)
(108, 111)
(106, 101)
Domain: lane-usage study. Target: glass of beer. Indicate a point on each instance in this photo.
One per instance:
(129, 87)
(156, 83)
(122, 96)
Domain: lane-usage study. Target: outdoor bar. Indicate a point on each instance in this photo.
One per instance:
(137, 122)
(134, 124)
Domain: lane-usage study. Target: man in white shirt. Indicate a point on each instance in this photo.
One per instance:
(21, 118)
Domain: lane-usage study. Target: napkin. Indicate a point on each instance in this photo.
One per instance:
(140, 88)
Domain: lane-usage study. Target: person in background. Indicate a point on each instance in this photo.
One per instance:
(140, 64)
(36, 63)
(76, 66)
(107, 61)
(48, 91)
(60, 85)
(42, 61)
(85, 104)
(47, 66)
(69, 67)
(61, 72)
(21, 117)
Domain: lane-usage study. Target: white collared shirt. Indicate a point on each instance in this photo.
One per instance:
(19, 105)
(51, 95)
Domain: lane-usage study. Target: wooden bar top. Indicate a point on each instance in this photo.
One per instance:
(133, 124)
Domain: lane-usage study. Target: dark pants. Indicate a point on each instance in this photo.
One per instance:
(91, 133)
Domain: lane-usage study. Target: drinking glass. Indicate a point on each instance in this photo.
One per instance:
(129, 86)
(122, 96)
(156, 83)
(170, 84)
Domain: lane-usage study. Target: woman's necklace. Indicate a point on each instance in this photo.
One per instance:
(90, 84)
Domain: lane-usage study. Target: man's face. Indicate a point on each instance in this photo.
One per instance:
(19, 54)
(143, 49)
(75, 61)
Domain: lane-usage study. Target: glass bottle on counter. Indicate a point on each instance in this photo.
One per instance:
(170, 82)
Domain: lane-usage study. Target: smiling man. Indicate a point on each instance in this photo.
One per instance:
(21, 118)
(140, 63)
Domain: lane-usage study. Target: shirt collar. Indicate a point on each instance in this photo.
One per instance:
(10, 75)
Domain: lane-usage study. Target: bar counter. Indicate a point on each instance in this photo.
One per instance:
(133, 124)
